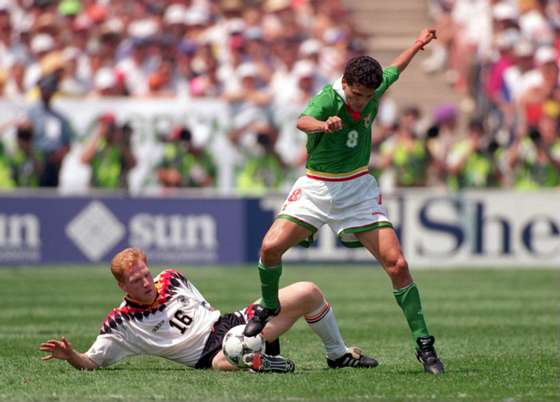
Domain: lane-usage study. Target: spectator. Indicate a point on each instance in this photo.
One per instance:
(72, 84)
(446, 28)
(515, 75)
(185, 164)
(41, 45)
(105, 83)
(208, 84)
(6, 181)
(439, 140)
(471, 162)
(15, 89)
(109, 154)
(137, 67)
(496, 91)
(542, 82)
(161, 80)
(310, 50)
(404, 152)
(26, 164)
(535, 25)
(51, 130)
(535, 158)
(250, 101)
(263, 169)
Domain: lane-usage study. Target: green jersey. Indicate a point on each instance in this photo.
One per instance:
(260, 174)
(534, 172)
(410, 160)
(108, 167)
(196, 170)
(343, 154)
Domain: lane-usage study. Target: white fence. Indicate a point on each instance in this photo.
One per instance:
(209, 121)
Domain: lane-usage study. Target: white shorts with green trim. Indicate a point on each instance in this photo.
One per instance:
(348, 207)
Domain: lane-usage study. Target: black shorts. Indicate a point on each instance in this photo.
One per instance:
(214, 342)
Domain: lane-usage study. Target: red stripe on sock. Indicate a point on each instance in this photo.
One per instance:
(318, 317)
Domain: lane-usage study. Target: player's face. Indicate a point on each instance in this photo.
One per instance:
(357, 95)
(139, 284)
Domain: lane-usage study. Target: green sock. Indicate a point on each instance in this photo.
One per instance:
(409, 300)
(270, 278)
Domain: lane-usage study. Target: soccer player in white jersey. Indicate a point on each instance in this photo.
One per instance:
(167, 316)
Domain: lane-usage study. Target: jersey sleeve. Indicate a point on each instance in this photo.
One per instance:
(108, 349)
(320, 106)
(390, 75)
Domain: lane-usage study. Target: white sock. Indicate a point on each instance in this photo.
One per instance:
(323, 322)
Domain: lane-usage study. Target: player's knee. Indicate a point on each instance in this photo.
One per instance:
(310, 292)
(271, 250)
(396, 266)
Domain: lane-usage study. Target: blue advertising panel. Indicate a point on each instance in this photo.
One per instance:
(42, 230)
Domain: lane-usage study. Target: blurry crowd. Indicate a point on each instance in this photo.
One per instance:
(263, 57)
(502, 59)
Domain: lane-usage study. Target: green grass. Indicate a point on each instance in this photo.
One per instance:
(497, 333)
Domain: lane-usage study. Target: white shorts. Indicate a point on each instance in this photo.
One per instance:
(348, 207)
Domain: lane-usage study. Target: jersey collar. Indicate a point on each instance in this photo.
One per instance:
(337, 86)
(133, 303)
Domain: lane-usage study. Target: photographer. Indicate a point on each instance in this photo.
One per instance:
(185, 164)
(472, 161)
(52, 130)
(26, 164)
(109, 154)
(535, 157)
(262, 169)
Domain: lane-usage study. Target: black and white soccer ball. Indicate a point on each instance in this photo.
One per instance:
(236, 345)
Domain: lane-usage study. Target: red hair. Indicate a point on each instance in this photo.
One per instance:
(124, 260)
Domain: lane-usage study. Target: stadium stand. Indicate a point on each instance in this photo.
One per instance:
(225, 69)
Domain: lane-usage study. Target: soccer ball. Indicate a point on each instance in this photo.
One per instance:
(236, 345)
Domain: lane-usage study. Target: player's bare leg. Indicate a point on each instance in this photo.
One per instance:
(282, 235)
(306, 299)
(385, 247)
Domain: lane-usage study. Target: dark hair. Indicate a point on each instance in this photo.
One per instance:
(492, 147)
(49, 82)
(363, 70)
(24, 133)
(185, 134)
(535, 135)
(412, 110)
(263, 139)
(476, 125)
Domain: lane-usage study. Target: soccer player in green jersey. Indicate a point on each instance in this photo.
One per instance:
(337, 190)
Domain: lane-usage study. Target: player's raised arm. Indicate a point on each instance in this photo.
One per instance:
(425, 37)
(62, 349)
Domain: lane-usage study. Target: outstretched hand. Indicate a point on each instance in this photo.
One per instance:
(58, 349)
(426, 36)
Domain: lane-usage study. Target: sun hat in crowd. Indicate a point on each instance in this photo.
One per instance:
(545, 54)
(42, 43)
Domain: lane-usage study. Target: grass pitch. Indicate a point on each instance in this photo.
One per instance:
(497, 332)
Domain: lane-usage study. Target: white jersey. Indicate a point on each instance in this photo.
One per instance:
(175, 327)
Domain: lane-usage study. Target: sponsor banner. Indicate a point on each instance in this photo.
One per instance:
(486, 229)
(436, 229)
(45, 230)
